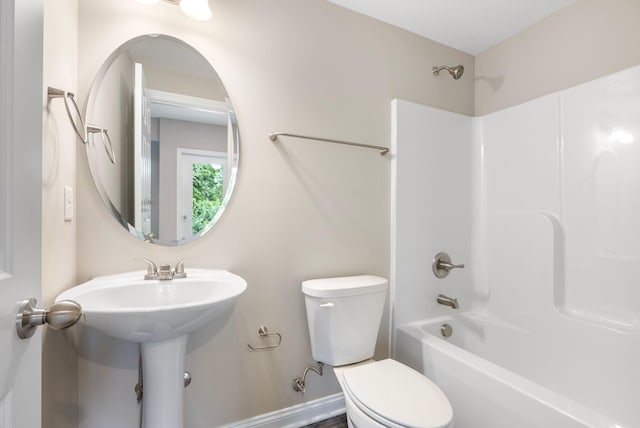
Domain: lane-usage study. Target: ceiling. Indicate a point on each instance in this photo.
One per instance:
(471, 26)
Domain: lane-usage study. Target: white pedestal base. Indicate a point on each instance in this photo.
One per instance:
(163, 383)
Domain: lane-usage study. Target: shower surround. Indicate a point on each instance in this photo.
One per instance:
(541, 202)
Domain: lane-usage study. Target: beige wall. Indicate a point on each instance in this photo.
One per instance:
(59, 404)
(590, 39)
(194, 86)
(301, 209)
(112, 108)
(59, 152)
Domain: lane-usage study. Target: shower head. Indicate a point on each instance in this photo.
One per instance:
(455, 72)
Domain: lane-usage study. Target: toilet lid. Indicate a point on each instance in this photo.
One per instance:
(390, 390)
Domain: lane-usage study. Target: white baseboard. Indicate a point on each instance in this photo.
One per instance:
(297, 416)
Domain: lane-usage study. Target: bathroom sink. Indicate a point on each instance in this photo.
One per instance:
(128, 307)
(159, 315)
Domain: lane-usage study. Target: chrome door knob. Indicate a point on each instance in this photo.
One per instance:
(58, 316)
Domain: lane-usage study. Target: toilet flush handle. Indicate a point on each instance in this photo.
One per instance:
(326, 305)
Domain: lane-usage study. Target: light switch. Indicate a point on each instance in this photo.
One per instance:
(68, 204)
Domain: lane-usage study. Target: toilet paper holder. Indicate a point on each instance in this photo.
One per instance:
(263, 331)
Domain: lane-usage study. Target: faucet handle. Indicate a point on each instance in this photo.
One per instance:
(152, 269)
(179, 272)
(442, 265)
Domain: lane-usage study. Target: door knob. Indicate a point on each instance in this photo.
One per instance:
(58, 316)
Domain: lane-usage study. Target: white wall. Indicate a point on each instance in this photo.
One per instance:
(519, 197)
(21, 108)
(600, 132)
(431, 193)
(557, 232)
(581, 42)
(556, 205)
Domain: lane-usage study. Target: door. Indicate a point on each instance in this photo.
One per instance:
(21, 104)
(142, 151)
(187, 159)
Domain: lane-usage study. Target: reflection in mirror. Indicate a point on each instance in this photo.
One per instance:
(172, 131)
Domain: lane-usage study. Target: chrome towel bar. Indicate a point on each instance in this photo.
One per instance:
(106, 140)
(274, 137)
(263, 331)
(68, 97)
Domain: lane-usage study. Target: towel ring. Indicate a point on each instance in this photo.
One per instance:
(59, 93)
(263, 331)
(106, 140)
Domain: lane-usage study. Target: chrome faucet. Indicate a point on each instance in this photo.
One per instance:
(447, 301)
(164, 272)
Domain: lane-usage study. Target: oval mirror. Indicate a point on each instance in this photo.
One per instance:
(163, 140)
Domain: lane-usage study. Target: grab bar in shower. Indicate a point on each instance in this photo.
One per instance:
(274, 137)
(69, 98)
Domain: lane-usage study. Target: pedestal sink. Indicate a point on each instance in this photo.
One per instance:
(159, 315)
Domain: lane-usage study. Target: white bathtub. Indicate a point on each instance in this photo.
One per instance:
(532, 373)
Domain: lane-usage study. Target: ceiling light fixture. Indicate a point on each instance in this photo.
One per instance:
(194, 9)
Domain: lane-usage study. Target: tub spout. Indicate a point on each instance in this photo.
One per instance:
(447, 301)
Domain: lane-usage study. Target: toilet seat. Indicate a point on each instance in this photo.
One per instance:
(397, 396)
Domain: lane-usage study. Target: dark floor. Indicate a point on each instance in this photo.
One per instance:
(339, 421)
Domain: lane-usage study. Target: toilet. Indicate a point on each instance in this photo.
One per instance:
(344, 316)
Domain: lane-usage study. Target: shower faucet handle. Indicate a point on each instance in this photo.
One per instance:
(449, 266)
(442, 265)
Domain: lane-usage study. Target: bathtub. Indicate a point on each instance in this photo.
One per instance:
(528, 373)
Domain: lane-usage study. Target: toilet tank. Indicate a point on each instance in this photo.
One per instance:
(344, 316)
